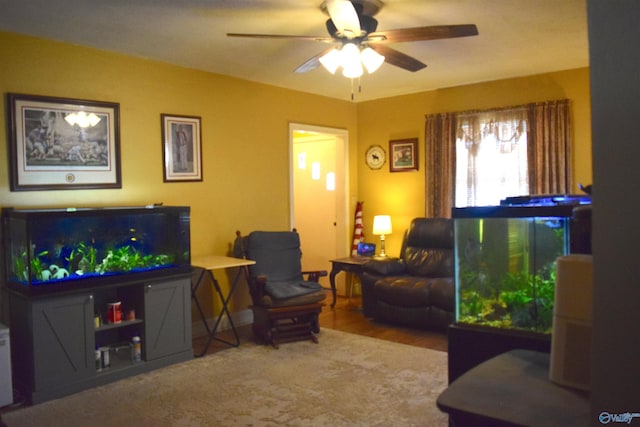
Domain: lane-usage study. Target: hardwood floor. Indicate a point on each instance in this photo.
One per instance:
(346, 316)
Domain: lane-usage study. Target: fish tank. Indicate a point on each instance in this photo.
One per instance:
(505, 261)
(63, 249)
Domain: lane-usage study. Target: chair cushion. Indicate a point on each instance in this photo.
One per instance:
(416, 291)
(385, 267)
(442, 293)
(432, 262)
(317, 296)
(286, 290)
(429, 247)
(431, 233)
(277, 255)
(404, 291)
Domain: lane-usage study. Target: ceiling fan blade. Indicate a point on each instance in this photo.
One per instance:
(397, 58)
(344, 17)
(282, 36)
(312, 63)
(424, 33)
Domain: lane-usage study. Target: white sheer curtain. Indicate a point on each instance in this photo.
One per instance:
(523, 149)
(491, 148)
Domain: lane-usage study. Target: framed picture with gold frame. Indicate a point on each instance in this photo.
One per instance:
(403, 155)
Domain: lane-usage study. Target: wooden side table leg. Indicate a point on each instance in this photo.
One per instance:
(332, 280)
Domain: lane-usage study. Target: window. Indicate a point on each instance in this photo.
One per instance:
(491, 157)
(476, 158)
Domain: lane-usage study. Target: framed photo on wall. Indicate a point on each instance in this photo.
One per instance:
(181, 148)
(403, 155)
(63, 143)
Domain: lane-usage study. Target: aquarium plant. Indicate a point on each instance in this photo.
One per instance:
(83, 260)
(36, 266)
(84, 257)
(127, 258)
(506, 272)
(519, 300)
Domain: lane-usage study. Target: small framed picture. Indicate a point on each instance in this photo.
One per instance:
(404, 155)
(63, 143)
(181, 148)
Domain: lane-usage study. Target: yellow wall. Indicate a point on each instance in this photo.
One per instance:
(402, 194)
(245, 136)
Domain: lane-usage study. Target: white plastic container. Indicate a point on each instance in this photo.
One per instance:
(572, 315)
(106, 361)
(6, 384)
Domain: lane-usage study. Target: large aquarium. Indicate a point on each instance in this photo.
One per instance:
(505, 267)
(55, 249)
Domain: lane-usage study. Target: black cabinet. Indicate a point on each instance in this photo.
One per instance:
(54, 338)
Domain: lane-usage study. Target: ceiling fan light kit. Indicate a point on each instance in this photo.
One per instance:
(331, 60)
(351, 59)
(371, 59)
(351, 65)
(351, 25)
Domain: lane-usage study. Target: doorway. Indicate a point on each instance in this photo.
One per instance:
(318, 187)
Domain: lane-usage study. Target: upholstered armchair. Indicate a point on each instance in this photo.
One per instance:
(417, 289)
(286, 301)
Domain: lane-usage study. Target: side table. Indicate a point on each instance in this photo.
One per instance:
(352, 264)
(207, 264)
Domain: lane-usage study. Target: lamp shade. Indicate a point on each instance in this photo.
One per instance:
(371, 59)
(381, 225)
(331, 60)
(351, 65)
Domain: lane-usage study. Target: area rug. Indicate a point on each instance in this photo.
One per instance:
(345, 380)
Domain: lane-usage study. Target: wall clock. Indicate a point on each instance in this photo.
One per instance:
(375, 157)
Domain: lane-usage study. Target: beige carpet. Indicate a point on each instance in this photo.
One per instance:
(345, 380)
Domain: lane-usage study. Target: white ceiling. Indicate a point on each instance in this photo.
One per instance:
(516, 38)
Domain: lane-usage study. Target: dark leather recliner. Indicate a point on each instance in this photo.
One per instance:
(416, 290)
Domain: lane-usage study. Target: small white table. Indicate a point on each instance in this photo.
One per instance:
(207, 264)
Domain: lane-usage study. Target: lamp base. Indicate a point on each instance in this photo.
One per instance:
(383, 253)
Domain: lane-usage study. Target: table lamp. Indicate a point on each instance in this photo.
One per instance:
(381, 226)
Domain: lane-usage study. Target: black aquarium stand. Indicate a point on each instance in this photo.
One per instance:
(470, 345)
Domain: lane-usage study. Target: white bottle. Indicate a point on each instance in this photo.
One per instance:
(137, 349)
(105, 357)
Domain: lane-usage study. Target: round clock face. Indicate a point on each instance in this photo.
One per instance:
(375, 157)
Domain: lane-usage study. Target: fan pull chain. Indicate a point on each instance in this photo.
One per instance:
(359, 87)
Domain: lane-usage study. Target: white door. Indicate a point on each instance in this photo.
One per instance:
(318, 194)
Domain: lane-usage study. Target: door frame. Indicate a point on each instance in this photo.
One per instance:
(343, 241)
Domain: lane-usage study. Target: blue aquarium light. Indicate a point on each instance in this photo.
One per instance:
(547, 200)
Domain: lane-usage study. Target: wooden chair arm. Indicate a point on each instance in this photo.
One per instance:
(315, 275)
(257, 290)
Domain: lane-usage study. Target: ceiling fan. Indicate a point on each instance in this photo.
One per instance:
(353, 28)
